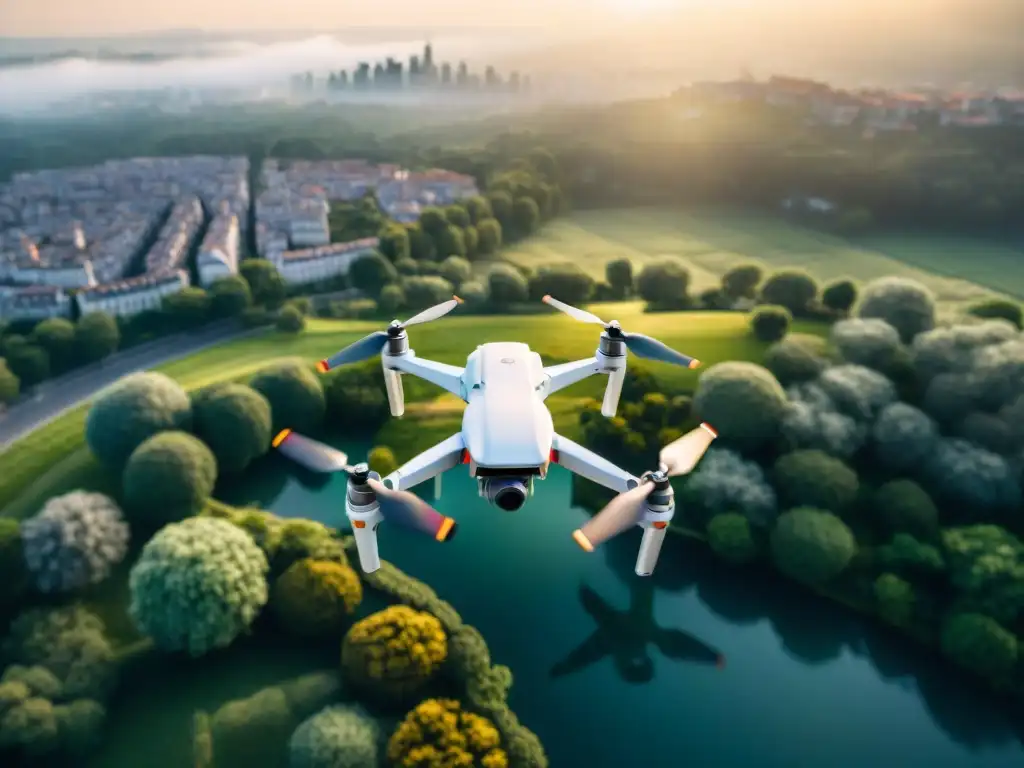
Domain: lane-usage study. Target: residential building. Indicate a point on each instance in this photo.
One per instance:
(218, 254)
(309, 226)
(37, 302)
(131, 296)
(314, 264)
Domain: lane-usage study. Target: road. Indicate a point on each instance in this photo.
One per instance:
(54, 397)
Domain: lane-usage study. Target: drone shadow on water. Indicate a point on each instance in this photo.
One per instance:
(816, 631)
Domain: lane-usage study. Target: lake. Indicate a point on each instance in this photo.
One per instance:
(804, 683)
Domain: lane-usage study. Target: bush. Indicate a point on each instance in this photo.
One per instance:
(35, 681)
(295, 394)
(235, 422)
(972, 478)
(725, 482)
(790, 288)
(869, 342)
(314, 598)
(770, 323)
(336, 737)
(839, 296)
(29, 363)
(382, 460)
(405, 267)
(394, 652)
(197, 585)
(74, 541)
(290, 320)
(229, 296)
(68, 641)
(904, 436)
(391, 299)
(978, 643)
(370, 273)
(169, 477)
(663, 282)
(906, 305)
(907, 556)
(995, 433)
(998, 309)
(902, 506)
(811, 545)
(56, 335)
(566, 282)
(140, 406)
(895, 598)
(506, 285)
(440, 733)
(619, 275)
(257, 317)
(986, 565)
(731, 539)
(426, 291)
(743, 402)
(9, 384)
(856, 391)
(813, 421)
(795, 359)
(13, 573)
(265, 282)
(30, 727)
(741, 281)
(355, 397)
(810, 478)
(96, 337)
(456, 270)
(474, 294)
(248, 731)
(953, 349)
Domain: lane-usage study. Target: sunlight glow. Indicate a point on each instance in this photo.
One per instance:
(642, 6)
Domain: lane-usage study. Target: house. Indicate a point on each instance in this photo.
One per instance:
(37, 302)
(308, 225)
(218, 253)
(131, 296)
(311, 265)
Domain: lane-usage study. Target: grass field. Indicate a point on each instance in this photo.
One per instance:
(53, 459)
(714, 241)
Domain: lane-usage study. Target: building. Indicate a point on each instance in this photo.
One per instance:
(311, 265)
(170, 252)
(309, 225)
(37, 302)
(131, 296)
(218, 254)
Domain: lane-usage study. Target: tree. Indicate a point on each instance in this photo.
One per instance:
(770, 323)
(290, 320)
(741, 281)
(905, 304)
(449, 241)
(840, 295)
(9, 384)
(235, 422)
(663, 282)
(395, 243)
(391, 299)
(998, 309)
(502, 206)
(790, 288)
(382, 460)
(457, 216)
(371, 272)
(421, 245)
(903, 506)
(525, 216)
(986, 565)
(295, 394)
(478, 208)
(506, 285)
(730, 537)
(811, 545)
(265, 282)
(57, 336)
(188, 308)
(96, 337)
(869, 342)
(167, 478)
(427, 290)
(895, 598)
(810, 478)
(566, 282)
(338, 735)
(313, 598)
(442, 726)
(743, 402)
(488, 237)
(619, 275)
(433, 221)
(796, 358)
(31, 364)
(456, 270)
(980, 644)
(229, 296)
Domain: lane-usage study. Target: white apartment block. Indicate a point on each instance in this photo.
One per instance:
(131, 296)
(314, 264)
(218, 254)
(309, 226)
(36, 302)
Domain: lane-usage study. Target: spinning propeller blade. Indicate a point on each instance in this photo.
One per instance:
(410, 511)
(637, 343)
(622, 512)
(680, 456)
(310, 454)
(370, 346)
(434, 313)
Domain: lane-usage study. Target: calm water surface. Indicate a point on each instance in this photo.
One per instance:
(805, 683)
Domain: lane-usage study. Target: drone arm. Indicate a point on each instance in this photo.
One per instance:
(588, 464)
(447, 377)
(567, 374)
(431, 463)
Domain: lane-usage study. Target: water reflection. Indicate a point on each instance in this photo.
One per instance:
(626, 634)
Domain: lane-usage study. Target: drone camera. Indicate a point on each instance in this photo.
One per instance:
(507, 493)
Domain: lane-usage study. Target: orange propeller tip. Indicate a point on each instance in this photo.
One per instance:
(281, 437)
(709, 429)
(694, 364)
(546, 298)
(457, 299)
(322, 366)
(580, 538)
(447, 530)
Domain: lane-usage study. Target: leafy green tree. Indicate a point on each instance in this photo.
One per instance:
(229, 296)
(525, 216)
(566, 282)
(421, 244)
(295, 394)
(290, 320)
(790, 288)
(502, 206)
(427, 290)
(433, 221)
(457, 216)
(391, 299)
(796, 358)
(449, 241)
(395, 243)
(895, 598)
(188, 308)
(355, 398)
(986, 566)
(167, 478)
(506, 285)
(488, 237)
(663, 282)
(903, 506)
(265, 282)
(382, 460)
(471, 239)
(13, 573)
(57, 336)
(31, 364)
(811, 545)
(371, 272)
(234, 421)
(314, 598)
(731, 539)
(9, 384)
(909, 557)
(405, 268)
(741, 281)
(998, 309)
(811, 478)
(906, 305)
(770, 323)
(980, 644)
(97, 337)
(743, 402)
(478, 209)
(619, 275)
(456, 270)
(840, 295)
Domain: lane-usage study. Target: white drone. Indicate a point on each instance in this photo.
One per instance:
(507, 437)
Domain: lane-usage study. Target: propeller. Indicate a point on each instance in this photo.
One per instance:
(371, 345)
(637, 343)
(399, 507)
(677, 458)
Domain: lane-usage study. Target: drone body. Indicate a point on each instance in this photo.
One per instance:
(507, 438)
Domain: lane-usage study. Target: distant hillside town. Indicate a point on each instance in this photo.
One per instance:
(871, 109)
(120, 236)
(421, 73)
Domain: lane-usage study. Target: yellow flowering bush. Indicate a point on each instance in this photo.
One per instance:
(394, 652)
(313, 597)
(438, 733)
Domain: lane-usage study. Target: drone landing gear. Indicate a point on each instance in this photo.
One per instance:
(657, 513)
(363, 512)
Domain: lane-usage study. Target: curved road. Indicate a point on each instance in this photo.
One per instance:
(54, 397)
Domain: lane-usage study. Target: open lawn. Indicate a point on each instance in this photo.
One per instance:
(53, 459)
(714, 241)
